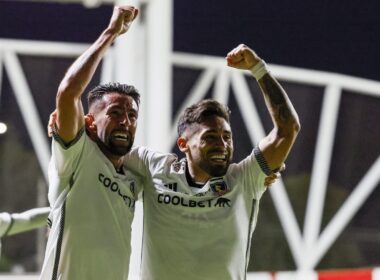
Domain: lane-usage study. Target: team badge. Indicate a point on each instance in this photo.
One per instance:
(218, 186)
(177, 166)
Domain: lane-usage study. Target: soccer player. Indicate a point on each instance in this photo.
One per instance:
(14, 223)
(91, 194)
(187, 207)
(200, 212)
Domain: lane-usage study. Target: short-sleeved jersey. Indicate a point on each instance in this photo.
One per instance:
(192, 233)
(92, 211)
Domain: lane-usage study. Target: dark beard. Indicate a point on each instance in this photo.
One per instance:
(114, 150)
(120, 150)
(215, 170)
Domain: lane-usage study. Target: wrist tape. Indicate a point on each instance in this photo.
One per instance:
(259, 70)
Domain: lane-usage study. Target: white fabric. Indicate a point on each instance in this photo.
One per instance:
(196, 235)
(259, 70)
(5, 222)
(92, 211)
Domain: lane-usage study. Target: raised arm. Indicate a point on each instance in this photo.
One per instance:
(68, 101)
(277, 144)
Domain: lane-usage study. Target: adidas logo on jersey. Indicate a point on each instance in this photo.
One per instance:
(171, 186)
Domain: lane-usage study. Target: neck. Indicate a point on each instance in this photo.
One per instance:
(197, 174)
(117, 163)
(116, 160)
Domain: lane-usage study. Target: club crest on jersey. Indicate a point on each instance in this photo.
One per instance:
(218, 186)
(177, 166)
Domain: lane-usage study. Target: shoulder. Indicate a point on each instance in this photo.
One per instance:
(67, 145)
(145, 153)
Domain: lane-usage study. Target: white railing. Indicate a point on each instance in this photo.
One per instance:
(364, 274)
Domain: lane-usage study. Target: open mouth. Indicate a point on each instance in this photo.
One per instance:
(218, 158)
(120, 136)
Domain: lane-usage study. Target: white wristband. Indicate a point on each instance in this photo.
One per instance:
(259, 70)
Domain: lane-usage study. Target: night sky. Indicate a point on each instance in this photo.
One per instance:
(336, 36)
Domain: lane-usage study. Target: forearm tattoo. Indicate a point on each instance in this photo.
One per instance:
(275, 95)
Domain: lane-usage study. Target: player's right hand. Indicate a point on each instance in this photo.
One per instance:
(122, 18)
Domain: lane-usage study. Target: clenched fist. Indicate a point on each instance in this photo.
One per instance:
(242, 57)
(122, 18)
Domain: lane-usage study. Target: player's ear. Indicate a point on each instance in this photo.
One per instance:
(182, 144)
(136, 12)
(89, 121)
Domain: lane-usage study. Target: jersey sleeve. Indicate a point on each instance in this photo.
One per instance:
(146, 162)
(65, 156)
(251, 173)
(136, 161)
(64, 160)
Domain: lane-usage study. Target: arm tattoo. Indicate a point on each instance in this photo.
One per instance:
(276, 96)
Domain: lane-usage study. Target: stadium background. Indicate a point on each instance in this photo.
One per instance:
(322, 35)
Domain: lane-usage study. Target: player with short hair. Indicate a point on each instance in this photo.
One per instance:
(180, 197)
(14, 223)
(91, 194)
(200, 212)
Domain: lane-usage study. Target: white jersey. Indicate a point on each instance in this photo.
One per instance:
(92, 211)
(196, 233)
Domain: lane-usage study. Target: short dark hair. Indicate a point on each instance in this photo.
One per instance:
(198, 112)
(99, 91)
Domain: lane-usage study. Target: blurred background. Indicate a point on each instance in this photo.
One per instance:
(323, 214)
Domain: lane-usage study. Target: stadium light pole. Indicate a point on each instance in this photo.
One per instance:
(159, 73)
(143, 58)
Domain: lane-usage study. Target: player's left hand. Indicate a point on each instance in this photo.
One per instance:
(242, 57)
(52, 121)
